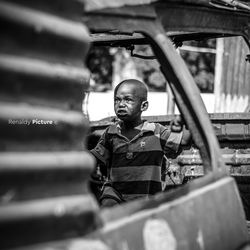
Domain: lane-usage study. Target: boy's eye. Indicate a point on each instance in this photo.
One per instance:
(128, 99)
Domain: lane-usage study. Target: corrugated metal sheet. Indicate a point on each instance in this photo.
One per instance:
(43, 166)
(234, 90)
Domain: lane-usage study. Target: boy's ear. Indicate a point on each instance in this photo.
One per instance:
(144, 105)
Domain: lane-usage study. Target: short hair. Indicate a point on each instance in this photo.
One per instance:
(142, 86)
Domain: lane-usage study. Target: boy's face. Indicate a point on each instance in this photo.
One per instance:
(127, 103)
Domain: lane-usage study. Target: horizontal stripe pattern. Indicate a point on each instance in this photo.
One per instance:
(130, 197)
(146, 142)
(138, 187)
(136, 164)
(133, 173)
(173, 141)
(138, 159)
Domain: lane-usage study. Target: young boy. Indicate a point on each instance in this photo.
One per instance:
(133, 149)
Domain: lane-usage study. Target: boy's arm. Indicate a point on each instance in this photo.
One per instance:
(102, 152)
(177, 125)
(186, 138)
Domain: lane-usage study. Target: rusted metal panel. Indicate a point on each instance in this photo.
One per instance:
(194, 18)
(190, 222)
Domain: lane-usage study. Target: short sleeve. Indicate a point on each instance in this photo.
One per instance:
(171, 140)
(102, 149)
(174, 141)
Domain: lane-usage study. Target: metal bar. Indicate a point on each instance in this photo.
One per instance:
(197, 49)
(235, 4)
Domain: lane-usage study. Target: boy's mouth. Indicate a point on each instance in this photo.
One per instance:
(121, 112)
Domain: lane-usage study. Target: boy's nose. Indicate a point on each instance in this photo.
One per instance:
(122, 103)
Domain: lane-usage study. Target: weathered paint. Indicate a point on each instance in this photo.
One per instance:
(157, 235)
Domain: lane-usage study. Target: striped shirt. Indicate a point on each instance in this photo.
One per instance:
(135, 165)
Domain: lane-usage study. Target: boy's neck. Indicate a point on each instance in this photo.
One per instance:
(132, 124)
(131, 129)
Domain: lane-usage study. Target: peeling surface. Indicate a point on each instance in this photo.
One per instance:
(124, 245)
(157, 235)
(200, 239)
(88, 245)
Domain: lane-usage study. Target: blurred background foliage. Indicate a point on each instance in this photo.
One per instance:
(105, 62)
(99, 61)
(201, 65)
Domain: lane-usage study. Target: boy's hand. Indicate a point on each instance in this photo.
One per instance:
(176, 125)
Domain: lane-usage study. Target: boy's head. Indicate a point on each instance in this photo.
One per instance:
(130, 99)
